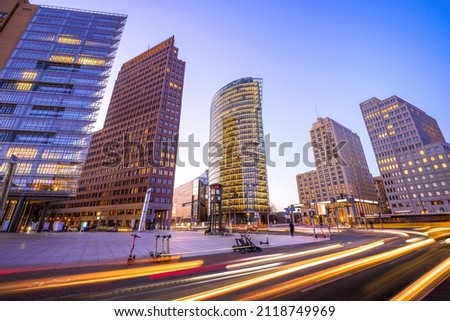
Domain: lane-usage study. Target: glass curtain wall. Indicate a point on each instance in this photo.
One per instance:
(237, 153)
(50, 93)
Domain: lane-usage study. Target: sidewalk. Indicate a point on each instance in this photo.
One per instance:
(29, 251)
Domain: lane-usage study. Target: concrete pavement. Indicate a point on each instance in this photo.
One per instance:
(30, 251)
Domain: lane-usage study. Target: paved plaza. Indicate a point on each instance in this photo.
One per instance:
(29, 251)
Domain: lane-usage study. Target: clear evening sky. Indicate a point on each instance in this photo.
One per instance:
(315, 57)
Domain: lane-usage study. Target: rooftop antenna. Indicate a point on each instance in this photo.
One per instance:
(317, 112)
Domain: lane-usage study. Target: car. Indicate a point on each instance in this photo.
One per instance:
(72, 229)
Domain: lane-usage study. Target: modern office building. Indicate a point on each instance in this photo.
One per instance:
(412, 155)
(190, 201)
(134, 155)
(237, 154)
(54, 67)
(341, 180)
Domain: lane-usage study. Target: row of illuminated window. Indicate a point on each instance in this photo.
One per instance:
(240, 114)
(39, 87)
(31, 153)
(30, 65)
(45, 169)
(421, 169)
(66, 184)
(422, 194)
(130, 173)
(417, 186)
(388, 167)
(426, 160)
(57, 78)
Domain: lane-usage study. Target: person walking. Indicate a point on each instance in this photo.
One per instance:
(291, 228)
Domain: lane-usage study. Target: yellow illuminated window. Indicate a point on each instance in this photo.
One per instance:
(406, 172)
(68, 40)
(410, 163)
(444, 165)
(422, 152)
(441, 156)
(436, 166)
(23, 85)
(420, 169)
(91, 61)
(22, 152)
(29, 75)
(425, 160)
(23, 168)
(63, 59)
(46, 169)
(432, 158)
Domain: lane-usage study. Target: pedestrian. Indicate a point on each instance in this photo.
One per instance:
(291, 228)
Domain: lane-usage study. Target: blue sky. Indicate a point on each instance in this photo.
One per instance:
(315, 57)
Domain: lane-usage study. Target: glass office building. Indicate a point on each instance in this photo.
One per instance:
(237, 153)
(54, 68)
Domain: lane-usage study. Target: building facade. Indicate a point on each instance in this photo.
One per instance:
(54, 67)
(383, 200)
(412, 155)
(136, 150)
(341, 181)
(237, 153)
(190, 201)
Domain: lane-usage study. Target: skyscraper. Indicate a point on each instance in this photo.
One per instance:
(237, 154)
(55, 63)
(412, 155)
(341, 177)
(134, 155)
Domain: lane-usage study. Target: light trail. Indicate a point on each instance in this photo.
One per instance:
(335, 272)
(94, 278)
(285, 271)
(285, 256)
(425, 284)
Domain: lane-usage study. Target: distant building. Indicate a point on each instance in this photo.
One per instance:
(341, 181)
(237, 154)
(190, 201)
(136, 149)
(412, 155)
(54, 67)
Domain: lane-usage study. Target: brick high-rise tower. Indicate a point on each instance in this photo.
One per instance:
(135, 152)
